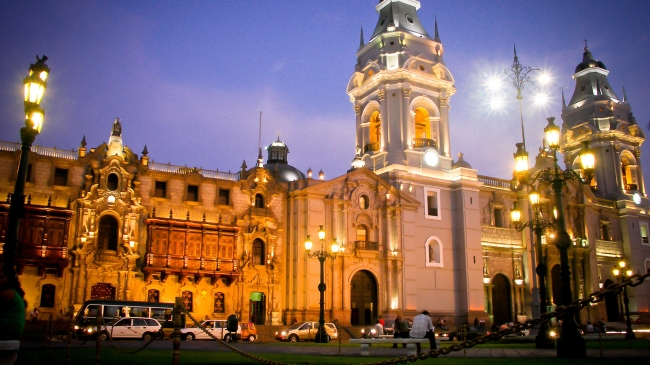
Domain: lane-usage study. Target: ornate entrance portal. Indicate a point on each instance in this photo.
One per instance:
(501, 300)
(363, 298)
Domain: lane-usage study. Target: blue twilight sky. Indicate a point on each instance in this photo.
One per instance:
(189, 78)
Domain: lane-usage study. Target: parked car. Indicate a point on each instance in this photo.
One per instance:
(305, 331)
(217, 327)
(129, 327)
(248, 331)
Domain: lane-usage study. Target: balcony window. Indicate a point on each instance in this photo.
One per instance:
(192, 193)
(224, 197)
(643, 228)
(60, 177)
(432, 203)
(161, 189)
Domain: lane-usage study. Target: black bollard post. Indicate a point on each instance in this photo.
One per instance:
(176, 335)
(98, 340)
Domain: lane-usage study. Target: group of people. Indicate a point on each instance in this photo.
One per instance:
(422, 327)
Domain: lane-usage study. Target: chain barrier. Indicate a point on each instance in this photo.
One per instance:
(224, 343)
(104, 328)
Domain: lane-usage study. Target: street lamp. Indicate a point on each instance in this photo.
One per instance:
(34, 85)
(538, 224)
(625, 274)
(570, 343)
(321, 335)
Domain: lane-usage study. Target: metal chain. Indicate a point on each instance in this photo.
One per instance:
(110, 338)
(245, 354)
(595, 297)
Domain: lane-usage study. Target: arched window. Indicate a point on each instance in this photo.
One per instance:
(364, 202)
(188, 300)
(112, 182)
(219, 303)
(108, 233)
(153, 296)
(629, 172)
(259, 256)
(259, 201)
(375, 128)
(433, 252)
(362, 233)
(422, 124)
(47, 295)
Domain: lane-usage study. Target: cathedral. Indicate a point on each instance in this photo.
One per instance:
(417, 227)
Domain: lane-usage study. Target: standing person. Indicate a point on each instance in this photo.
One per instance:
(383, 323)
(400, 330)
(12, 309)
(423, 328)
(379, 329)
(476, 322)
(33, 317)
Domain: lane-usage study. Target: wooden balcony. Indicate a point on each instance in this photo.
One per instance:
(372, 147)
(366, 245)
(424, 142)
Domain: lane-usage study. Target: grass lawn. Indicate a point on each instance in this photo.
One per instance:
(147, 356)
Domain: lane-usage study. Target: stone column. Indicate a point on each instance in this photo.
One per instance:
(383, 110)
(639, 172)
(359, 137)
(444, 124)
(407, 119)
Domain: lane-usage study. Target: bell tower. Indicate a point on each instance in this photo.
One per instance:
(596, 114)
(400, 90)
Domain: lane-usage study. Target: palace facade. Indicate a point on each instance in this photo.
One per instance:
(417, 229)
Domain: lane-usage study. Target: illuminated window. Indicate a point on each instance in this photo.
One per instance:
(362, 233)
(161, 189)
(375, 128)
(422, 125)
(363, 202)
(643, 228)
(192, 193)
(498, 217)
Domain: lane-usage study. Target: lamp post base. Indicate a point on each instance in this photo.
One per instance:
(543, 339)
(571, 348)
(321, 337)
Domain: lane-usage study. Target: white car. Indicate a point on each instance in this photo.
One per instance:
(217, 327)
(129, 327)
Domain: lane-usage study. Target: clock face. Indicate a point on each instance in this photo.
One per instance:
(431, 158)
(637, 198)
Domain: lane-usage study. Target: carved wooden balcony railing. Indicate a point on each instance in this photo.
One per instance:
(372, 147)
(188, 248)
(366, 245)
(424, 142)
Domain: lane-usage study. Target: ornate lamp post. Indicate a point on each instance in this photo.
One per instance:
(537, 225)
(624, 274)
(35, 84)
(570, 344)
(321, 335)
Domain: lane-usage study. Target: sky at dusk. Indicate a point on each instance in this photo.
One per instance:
(189, 78)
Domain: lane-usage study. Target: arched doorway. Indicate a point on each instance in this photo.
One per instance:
(108, 232)
(257, 308)
(363, 298)
(611, 304)
(556, 285)
(501, 300)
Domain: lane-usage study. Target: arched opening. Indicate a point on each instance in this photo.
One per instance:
(433, 252)
(259, 201)
(363, 298)
(422, 124)
(501, 304)
(556, 284)
(629, 172)
(107, 236)
(374, 137)
(48, 292)
(112, 182)
(364, 202)
(611, 304)
(259, 257)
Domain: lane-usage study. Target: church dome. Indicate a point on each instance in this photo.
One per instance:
(461, 163)
(278, 163)
(588, 61)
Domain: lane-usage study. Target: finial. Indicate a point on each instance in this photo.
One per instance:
(171, 214)
(361, 44)
(219, 218)
(586, 46)
(29, 199)
(187, 217)
(563, 102)
(515, 48)
(145, 151)
(234, 221)
(8, 200)
(153, 212)
(83, 142)
(436, 36)
(68, 205)
(204, 217)
(625, 96)
(243, 165)
(49, 201)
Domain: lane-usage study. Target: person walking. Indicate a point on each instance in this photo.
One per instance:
(423, 328)
(379, 329)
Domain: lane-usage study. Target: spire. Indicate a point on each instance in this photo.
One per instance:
(436, 36)
(84, 144)
(563, 102)
(361, 44)
(260, 158)
(145, 151)
(515, 48)
(625, 96)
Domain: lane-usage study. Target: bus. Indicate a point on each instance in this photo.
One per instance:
(91, 309)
